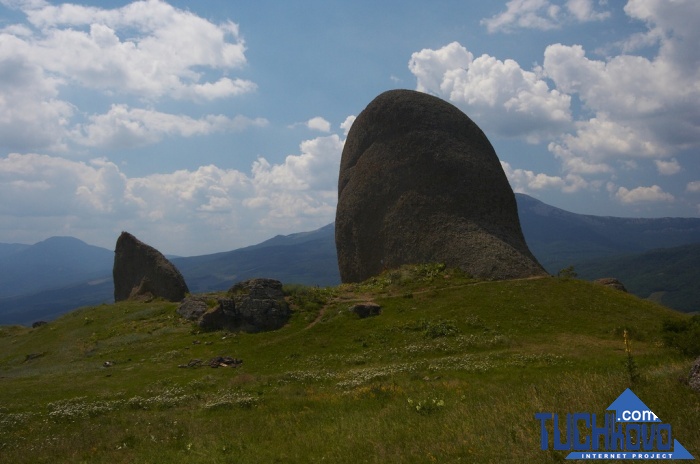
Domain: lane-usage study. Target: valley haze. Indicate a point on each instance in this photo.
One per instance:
(655, 258)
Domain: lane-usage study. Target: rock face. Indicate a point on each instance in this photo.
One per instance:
(364, 310)
(420, 182)
(255, 305)
(140, 269)
(612, 283)
(694, 378)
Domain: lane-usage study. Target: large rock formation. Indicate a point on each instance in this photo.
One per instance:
(141, 269)
(420, 182)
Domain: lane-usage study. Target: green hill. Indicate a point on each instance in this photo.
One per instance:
(452, 370)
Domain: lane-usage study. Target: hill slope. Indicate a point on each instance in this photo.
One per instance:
(452, 370)
(669, 276)
(560, 238)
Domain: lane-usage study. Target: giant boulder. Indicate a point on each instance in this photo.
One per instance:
(420, 182)
(140, 268)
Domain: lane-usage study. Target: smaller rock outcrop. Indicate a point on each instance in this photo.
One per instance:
(192, 308)
(142, 271)
(364, 310)
(255, 305)
(694, 379)
(612, 283)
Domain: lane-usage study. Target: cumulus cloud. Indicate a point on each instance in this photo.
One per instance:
(693, 187)
(635, 111)
(668, 168)
(318, 124)
(644, 107)
(523, 180)
(148, 50)
(347, 124)
(543, 15)
(124, 127)
(41, 185)
(653, 194)
(222, 208)
(499, 95)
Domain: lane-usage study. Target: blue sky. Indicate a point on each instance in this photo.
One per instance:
(211, 125)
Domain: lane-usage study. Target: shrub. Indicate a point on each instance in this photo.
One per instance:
(683, 334)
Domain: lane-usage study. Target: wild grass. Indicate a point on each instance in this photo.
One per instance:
(454, 373)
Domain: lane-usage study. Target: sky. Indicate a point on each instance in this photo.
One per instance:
(207, 126)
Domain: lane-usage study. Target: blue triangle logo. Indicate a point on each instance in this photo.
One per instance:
(679, 452)
(629, 408)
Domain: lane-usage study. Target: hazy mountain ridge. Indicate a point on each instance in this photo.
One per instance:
(51, 277)
(559, 238)
(53, 263)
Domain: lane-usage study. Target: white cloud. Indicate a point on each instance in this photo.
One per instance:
(318, 124)
(693, 187)
(123, 127)
(146, 49)
(651, 102)
(668, 168)
(162, 54)
(347, 124)
(584, 11)
(543, 15)
(524, 181)
(41, 185)
(211, 208)
(529, 14)
(651, 194)
(499, 95)
(633, 107)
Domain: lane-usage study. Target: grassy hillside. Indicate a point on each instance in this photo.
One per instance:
(453, 370)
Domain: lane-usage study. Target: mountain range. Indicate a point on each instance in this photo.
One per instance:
(655, 258)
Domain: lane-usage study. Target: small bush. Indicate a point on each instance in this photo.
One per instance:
(683, 335)
(567, 273)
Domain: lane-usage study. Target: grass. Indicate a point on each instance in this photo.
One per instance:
(453, 370)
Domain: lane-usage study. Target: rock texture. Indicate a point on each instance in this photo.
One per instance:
(141, 270)
(364, 310)
(612, 283)
(420, 182)
(255, 305)
(694, 378)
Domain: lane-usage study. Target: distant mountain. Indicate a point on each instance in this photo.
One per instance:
(560, 239)
(668, 276)
(52, 277)
(56, 262)
(305, 258)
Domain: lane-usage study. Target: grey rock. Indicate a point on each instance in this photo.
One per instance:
(612, 283)
(419, 182)
(192, 308)
(255, 305)
(694, 379)
(364, 310)
(141, 270)
(223, 316)
(260, 304)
